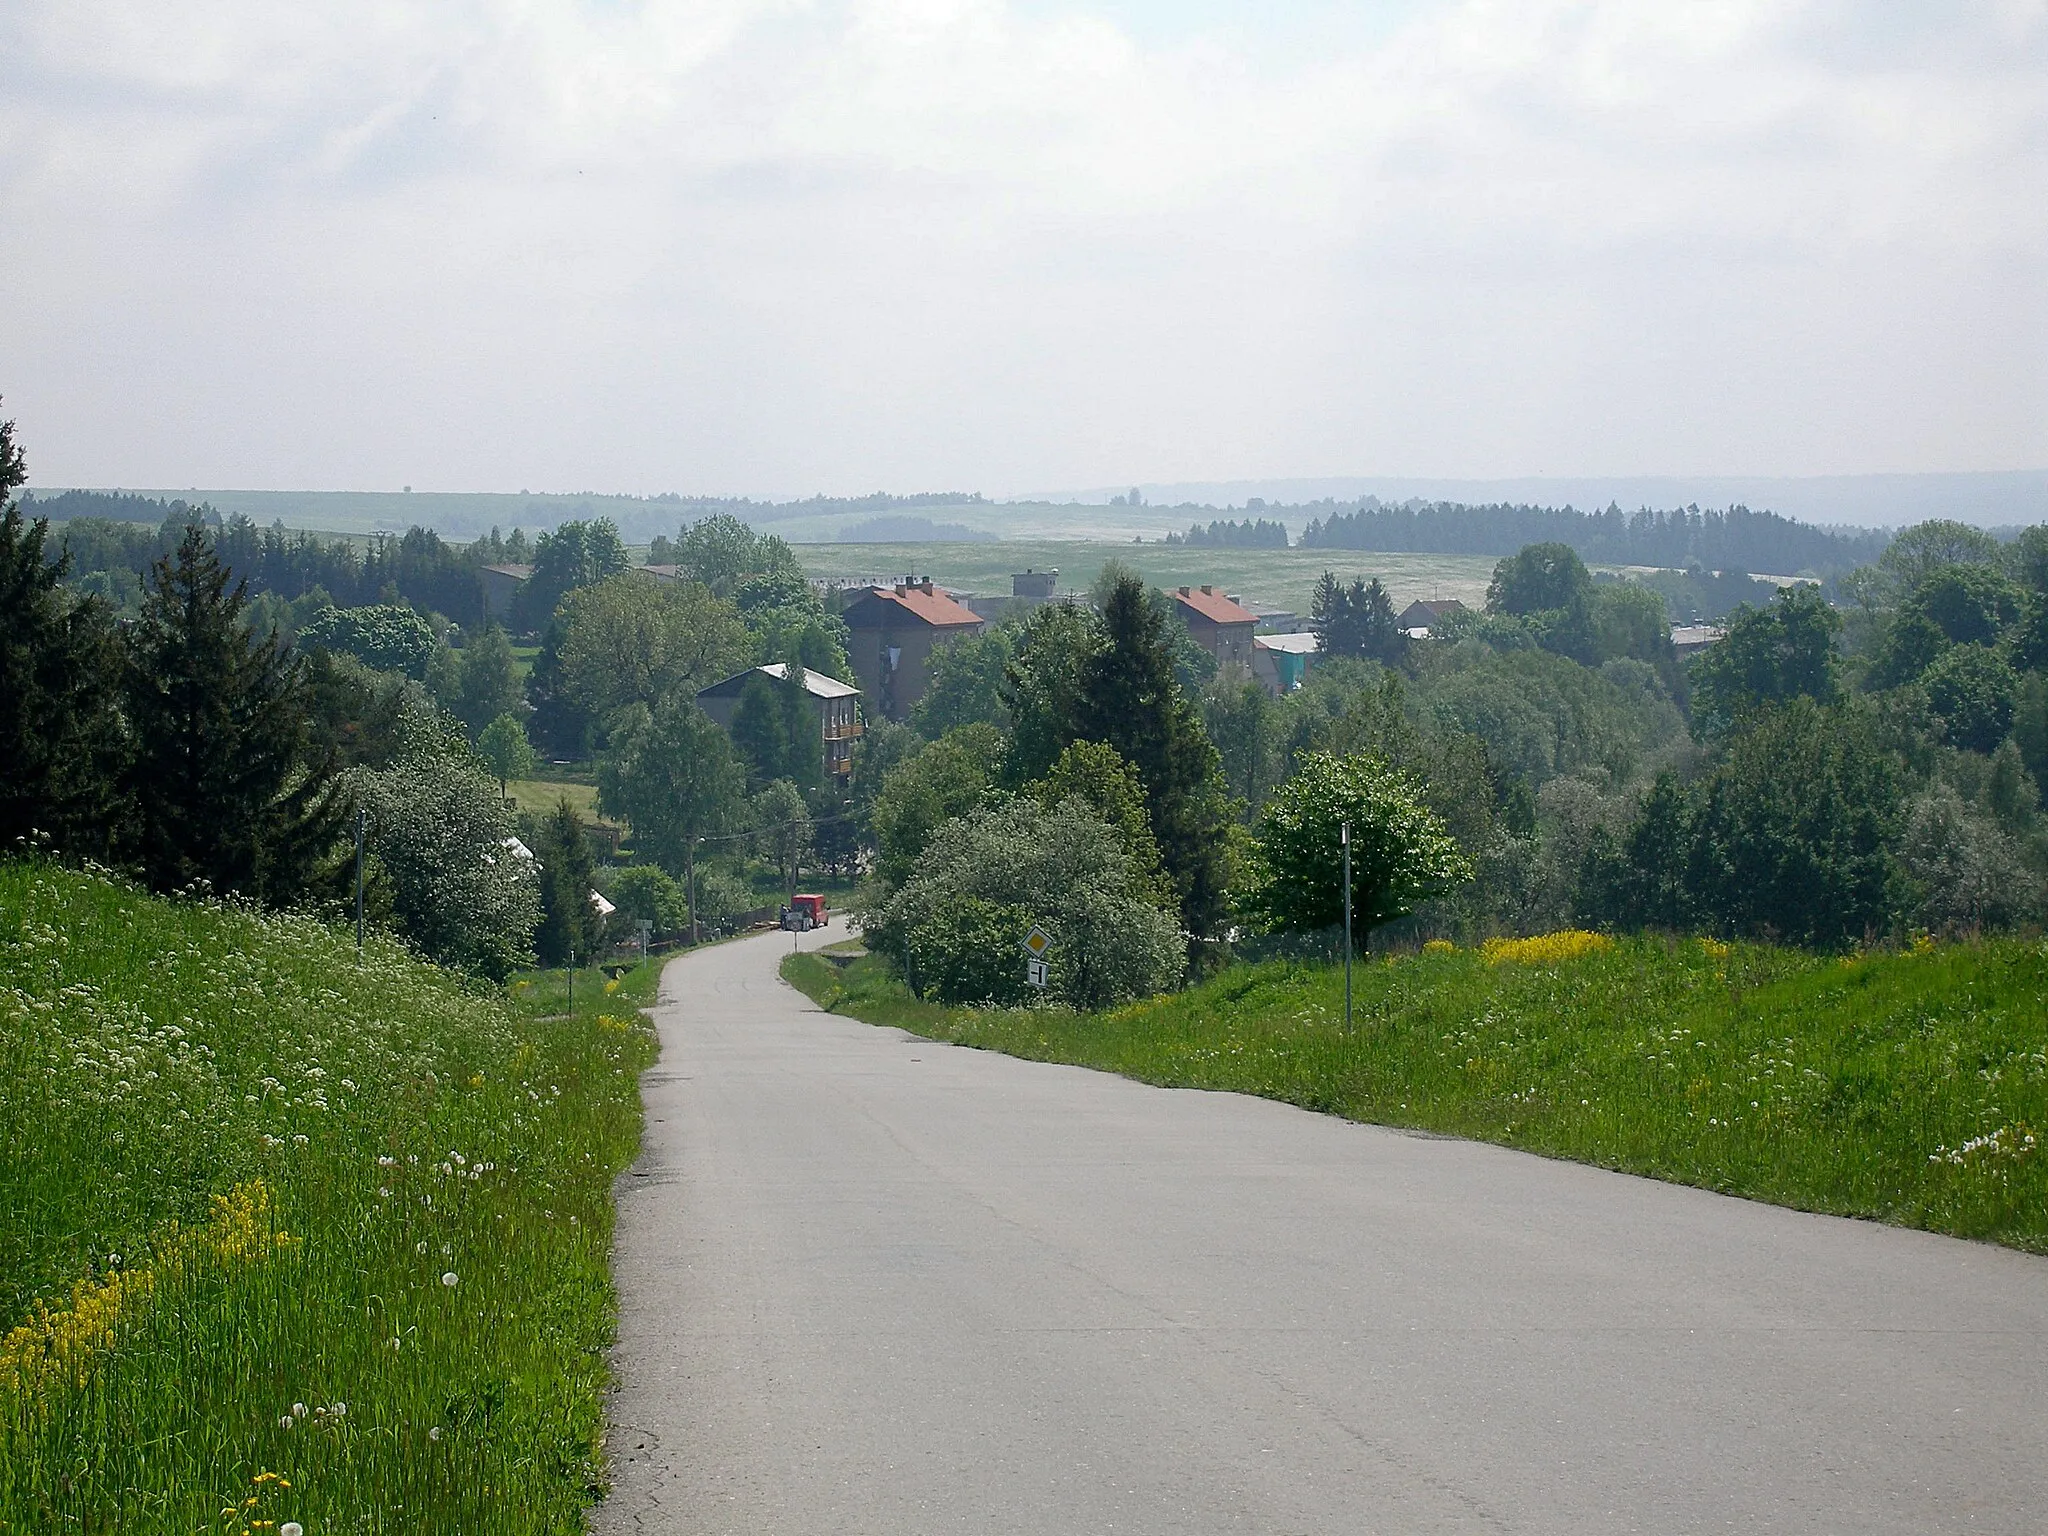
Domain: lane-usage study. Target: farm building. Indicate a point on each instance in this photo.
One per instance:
(1424, 614)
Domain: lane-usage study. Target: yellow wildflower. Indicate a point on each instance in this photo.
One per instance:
(1549, 949)
(56, 1347)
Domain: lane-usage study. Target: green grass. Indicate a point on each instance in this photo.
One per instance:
(541, 796)
(1283, 577)
(1865, 1087)
(380, 1125)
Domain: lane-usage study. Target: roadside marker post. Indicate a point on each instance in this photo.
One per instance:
(359, 882)
(1345, 839)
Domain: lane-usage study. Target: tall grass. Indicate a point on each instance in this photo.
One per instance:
(288, 1236)
(1908, 1087)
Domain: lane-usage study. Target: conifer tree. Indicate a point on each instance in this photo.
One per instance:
(803, 729)
(60, 734)
(760, 729)
(490, 679)
(569, 928)
(1332, 618)
(1130, 699)
(226, 790)
(1372, 615)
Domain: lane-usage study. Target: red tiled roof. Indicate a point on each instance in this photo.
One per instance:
(1214, 606)
(933, 606)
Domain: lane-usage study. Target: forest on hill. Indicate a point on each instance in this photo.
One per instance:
(1734, 539)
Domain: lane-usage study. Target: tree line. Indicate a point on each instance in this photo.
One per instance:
(1225, 533)
(1735, 539)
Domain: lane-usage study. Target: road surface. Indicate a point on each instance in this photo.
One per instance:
(873, 1284)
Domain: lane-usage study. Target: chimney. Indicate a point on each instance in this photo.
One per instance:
(1207, 590)
(925, 586)
(1184, 592)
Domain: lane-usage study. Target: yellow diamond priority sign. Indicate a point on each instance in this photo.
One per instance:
(1037, 942)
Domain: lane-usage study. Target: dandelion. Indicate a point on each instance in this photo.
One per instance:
(448, 1278)
(291, 1528)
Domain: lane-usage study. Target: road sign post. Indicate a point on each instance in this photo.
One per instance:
(1037, 969)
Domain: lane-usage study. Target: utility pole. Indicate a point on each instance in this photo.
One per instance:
(359, 882)
(690, 884)
(1345, 839)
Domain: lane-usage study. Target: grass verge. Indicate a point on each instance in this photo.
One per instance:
(288, 1236)
(1909, 1088)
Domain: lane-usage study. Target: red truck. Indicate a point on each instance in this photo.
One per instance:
(805, 913)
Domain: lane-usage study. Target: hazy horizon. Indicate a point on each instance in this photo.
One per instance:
(771, 248)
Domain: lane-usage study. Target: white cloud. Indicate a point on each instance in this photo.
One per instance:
(775, 245)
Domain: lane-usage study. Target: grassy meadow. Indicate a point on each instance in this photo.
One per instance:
(288, 1236)
(1281, 577)
(1904, 1087)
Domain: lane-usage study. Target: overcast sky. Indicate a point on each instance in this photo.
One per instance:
(772, 247)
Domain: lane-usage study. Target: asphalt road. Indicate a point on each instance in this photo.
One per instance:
(873, 1284)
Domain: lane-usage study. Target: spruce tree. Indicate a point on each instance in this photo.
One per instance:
(760, 729)
(490, 679)
(1129, 698)
(803, 730)
(60, 732)
(227, 791)
(1332, 617)
(568, 931)
(1373, 619)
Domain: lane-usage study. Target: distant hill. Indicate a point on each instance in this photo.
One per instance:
(463, 515)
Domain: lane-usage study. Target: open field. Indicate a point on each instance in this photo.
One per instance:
(1280, 577)
(286, 1235)
(1905, 1087)
(540, 796)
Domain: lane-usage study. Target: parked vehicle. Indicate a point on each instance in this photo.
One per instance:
(805, 913)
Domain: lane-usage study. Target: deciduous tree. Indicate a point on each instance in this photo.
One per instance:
(1401, 852)
(505, 749)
